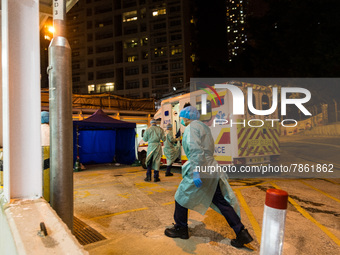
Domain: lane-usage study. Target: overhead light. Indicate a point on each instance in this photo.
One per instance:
(51, 29)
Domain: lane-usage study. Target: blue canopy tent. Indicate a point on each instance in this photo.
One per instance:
(102, 139)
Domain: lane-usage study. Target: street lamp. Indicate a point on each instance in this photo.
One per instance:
(50, 29)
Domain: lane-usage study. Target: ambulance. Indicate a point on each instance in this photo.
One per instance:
(239, 139)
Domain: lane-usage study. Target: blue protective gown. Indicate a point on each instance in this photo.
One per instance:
(153, 135)
(171, 148)
(199, 147)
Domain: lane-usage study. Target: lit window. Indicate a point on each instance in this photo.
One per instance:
(159, 12)
(144, 41)
(90, 88)
(129, 16)
(109, 86)
(130, 43)
(176, 50)
(132, 58)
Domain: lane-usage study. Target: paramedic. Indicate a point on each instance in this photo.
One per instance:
(171, 149)
(153, 135)
(199, 190)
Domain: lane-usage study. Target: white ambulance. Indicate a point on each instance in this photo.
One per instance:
(239, 139)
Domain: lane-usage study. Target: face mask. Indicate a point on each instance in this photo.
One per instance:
(182, 122)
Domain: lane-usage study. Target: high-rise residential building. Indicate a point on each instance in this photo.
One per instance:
(236, 24)
(133, 48)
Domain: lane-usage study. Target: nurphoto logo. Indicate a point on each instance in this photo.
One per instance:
(238, 104)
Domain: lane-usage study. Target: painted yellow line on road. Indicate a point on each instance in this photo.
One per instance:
(169, 203)
(322, 192)
(250, 215)
(118, 213)
(309, 217)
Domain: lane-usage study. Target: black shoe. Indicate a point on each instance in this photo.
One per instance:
(241, 239)
(156, 179)
(147, 179)
(169, 174)
(176, 231)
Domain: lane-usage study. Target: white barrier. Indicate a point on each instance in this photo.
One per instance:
(274, 218)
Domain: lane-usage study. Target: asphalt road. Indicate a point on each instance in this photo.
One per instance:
(311, 153)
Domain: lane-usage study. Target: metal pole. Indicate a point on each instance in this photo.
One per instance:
(61, 129)
(21, 99)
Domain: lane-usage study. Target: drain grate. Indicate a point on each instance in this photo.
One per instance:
(84, 233)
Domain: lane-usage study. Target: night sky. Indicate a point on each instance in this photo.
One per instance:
(291, 39)
(286, 38)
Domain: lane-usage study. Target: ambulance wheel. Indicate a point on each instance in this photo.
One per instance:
(143, 159)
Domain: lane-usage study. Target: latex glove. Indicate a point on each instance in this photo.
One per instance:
(197, 179)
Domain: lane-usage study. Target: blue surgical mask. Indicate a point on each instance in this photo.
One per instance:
(182, 122)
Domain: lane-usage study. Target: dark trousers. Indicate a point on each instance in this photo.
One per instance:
(149, 168)
(181, 213)
(168, 169)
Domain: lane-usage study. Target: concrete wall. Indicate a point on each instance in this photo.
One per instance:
(20, 230)
(7, 245)
(327, 130)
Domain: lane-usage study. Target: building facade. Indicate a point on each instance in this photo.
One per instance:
(132, 48)
(236, 24)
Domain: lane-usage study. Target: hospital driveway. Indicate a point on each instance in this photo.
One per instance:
(132, 214)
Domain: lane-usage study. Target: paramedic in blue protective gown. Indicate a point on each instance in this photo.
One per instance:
(200, 190)
(171, 149)
(153, 135)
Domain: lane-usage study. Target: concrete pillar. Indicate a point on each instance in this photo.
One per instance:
(21, 99)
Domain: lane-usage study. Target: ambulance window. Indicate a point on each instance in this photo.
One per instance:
(254, 104)
(207, 116)
(265, 102)
(166, 113)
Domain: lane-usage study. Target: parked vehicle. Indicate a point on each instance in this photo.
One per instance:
(239, 139)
